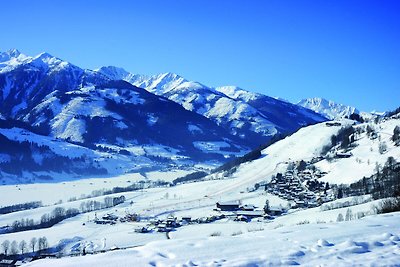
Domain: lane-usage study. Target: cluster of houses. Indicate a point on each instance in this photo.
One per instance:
(172, 222)
(109, 218)
(241, 212)
(231, 209)
(299, 187)
(167, 225)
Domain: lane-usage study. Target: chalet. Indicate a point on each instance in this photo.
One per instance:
(228, 206)
(275, 211)
(343, 154)
(250, 214)
(247, 207)
(110, 217)
(332, 123)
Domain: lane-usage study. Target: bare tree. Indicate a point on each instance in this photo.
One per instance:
(43, 244)
(22, 246)
(58, 213)
(6, 246)
(14, 248)
(32, 243)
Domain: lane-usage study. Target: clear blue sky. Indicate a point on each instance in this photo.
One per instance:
(347, 51)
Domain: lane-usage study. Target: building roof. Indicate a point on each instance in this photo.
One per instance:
(229, 203)
(250, 213)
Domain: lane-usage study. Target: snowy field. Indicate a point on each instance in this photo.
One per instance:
(372, 241)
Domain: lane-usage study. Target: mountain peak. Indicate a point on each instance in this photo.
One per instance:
(236, 92)
(112, 72)
(170, 75)
(44, 55)
(9, 54)
(328, 108)
(14, 52)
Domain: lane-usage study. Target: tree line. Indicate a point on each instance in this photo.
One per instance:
(384, 183)
(21, 207)
(15, 248)
(59, 214)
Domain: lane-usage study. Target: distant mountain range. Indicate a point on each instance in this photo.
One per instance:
(250, 116)
(329, 109)
(57, 118)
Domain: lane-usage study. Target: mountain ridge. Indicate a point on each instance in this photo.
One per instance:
(132, 122)
(240, 111)
(328, 108)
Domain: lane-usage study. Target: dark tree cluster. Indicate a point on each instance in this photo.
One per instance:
(22, 159)
(356, 117)
(316, 186)
(344, 139)
(20, 207)
(396, 136)
(385, 183)
(190, 177)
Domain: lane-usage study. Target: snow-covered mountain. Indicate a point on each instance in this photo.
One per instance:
(327, 108)
(173, 121)
(252, 117)
(45, 97)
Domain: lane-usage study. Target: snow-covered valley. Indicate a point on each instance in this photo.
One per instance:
(337, 232)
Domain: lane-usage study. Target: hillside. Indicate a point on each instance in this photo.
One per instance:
(250, 116)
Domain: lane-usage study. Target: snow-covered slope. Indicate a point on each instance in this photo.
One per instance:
(308, 144)
(331, 244)
(250, 116)
(327, 108)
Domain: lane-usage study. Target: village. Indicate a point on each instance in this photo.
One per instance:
(300, 186)
(230, 210)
